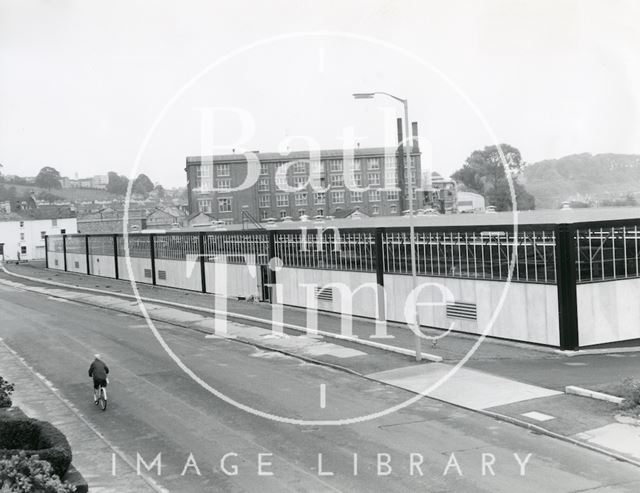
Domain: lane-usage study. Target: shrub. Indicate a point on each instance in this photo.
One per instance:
(35, 437)
(631, 393)
(21, 473)
(6, 389)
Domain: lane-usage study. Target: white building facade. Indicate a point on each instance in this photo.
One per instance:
(23, 239)
(470, 202)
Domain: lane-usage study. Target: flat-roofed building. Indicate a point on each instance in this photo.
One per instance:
(297, 184)
(469, 202)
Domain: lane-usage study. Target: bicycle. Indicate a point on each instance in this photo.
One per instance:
(102, 397)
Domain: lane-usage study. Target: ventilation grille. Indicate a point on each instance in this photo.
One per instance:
(459, 309)
(76, 264)
(324, 294)
(147, 273)
(162, 275)
(55, 262)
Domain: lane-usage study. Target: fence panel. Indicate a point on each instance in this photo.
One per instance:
(473, 254)
(139, 246)
(101, 245)
(76, 244)
(333, 250)
(177, 246)
(607, 253)
(236, 248)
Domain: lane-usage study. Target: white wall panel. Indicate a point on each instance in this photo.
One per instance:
(59, 256)
(529, 312)
(77, 262)
(179, 274)
(608, 311)
(138, 266)
(295, 292)
(102, 265)
(232, 279)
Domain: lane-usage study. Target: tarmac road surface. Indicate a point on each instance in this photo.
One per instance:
(155, 408)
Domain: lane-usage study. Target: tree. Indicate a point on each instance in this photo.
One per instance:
(484, 173)
(117, 183)
(159, 189)
(142, 185)
(181, 194)
(48, 178)
(48, 197)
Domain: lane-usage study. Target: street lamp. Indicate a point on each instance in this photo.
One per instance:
(407, 160)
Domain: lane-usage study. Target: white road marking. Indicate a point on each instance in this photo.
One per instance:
(323, 396)
(538, 416)
(571, 363)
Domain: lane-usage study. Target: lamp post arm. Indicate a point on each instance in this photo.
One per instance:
(403, 101)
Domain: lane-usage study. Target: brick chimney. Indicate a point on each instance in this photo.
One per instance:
(414, 137)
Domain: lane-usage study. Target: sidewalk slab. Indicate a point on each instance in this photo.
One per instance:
(466, 387)
(571, 414)
(621, 437)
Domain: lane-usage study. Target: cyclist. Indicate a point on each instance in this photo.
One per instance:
(99, 371)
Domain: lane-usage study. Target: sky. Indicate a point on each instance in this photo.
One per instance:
(136, 86)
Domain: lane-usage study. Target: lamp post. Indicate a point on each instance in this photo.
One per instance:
(407, 160)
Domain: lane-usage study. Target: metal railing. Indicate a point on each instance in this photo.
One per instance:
(176, 246)
(236, 248)
(100, 245)
(603, 251)
(76, 244)
(607, 252)
(348, 251)
(475, 254)
(139, 245)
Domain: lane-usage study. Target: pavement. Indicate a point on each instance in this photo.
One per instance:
(489, 383)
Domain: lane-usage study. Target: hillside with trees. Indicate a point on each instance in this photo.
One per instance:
(48, 186)
(584, 179)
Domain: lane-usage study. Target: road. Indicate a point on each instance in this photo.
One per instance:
(156, 408)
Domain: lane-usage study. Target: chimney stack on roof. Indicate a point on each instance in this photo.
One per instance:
(414, 137)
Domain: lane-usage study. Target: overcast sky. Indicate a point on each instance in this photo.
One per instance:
(82, 82)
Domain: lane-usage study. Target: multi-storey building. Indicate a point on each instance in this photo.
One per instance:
(371, 180)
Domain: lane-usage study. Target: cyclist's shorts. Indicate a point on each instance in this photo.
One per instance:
(97, 382)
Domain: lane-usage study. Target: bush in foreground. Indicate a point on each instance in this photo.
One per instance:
(23, 474)
(34, 437)
(631, 394)
(6, 389)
